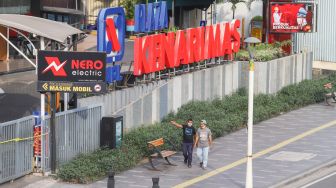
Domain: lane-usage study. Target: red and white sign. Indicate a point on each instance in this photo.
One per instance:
(55, 66)
(160, 51)
(291, 17)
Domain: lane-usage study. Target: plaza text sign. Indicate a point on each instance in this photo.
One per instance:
(71, 71)
(292, 17)
(160, 51)
(155, 19)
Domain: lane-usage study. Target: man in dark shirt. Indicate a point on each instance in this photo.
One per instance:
(189, 133)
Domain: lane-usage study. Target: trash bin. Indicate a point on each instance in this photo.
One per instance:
(111, 132)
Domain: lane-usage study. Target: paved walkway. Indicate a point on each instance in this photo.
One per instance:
(284, 146)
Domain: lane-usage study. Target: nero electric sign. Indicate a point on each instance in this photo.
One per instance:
(111, 33)
(83, 71)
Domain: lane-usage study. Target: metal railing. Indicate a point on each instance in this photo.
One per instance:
(16, 148)
(77, 131)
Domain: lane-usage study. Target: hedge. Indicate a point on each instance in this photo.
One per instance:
(264, 52)
(223, 116)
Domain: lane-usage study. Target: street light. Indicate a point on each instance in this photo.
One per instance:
(249, 176)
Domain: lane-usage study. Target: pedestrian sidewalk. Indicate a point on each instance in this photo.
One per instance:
(284, 147)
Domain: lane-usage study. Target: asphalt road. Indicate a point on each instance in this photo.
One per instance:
(19, 97)
(328, 181)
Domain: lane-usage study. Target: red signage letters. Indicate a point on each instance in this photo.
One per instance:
(160, 51)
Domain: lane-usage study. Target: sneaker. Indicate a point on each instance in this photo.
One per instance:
(185, 161)
(201, 164)
(189, 165)
(204, 168)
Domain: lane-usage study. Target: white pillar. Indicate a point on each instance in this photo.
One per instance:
(42, 47)
(249, 170)
(7, 44)
(66, 99)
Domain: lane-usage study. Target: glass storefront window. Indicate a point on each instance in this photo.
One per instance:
(66, 19)
(15, 6)
(51, 17)
(59, 18)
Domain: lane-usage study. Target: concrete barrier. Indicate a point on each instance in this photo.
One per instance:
(147, 104)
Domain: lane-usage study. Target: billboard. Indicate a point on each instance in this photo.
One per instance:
(292, 17)
(60, 71)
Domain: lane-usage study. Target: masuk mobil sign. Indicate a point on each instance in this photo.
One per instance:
(157, 52)
(111, 39)
(80, 72)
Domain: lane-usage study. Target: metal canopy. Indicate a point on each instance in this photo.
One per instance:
(42, 27)
(62, 10)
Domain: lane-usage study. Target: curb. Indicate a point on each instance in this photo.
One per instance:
(17, 71)
(307, 173)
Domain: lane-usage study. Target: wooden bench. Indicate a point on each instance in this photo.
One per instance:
(154, 147)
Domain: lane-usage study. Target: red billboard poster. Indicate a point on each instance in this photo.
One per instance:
(37, 141)
(291, 17)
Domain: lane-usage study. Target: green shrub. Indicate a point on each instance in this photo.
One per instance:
(263, 52)
(223, 115)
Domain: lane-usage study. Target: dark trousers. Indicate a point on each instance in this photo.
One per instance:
(187, 152)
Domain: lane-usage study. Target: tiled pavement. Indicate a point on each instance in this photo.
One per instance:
(269, 169)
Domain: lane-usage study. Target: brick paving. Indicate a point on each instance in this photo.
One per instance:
(269, 169)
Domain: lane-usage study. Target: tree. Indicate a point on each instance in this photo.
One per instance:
(235, 2)
(129, 7)
(234, 6)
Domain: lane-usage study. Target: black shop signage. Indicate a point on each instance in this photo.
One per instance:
(71, 67)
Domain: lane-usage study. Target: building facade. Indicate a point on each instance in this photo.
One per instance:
(68, 11)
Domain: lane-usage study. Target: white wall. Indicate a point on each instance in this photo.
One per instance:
(224, 13)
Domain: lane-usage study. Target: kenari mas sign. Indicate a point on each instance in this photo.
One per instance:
(161, 51)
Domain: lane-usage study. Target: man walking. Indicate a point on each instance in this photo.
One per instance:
(188, 139)
(203, 143)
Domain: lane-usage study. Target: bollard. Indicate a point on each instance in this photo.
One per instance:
(156, 182)
(110, 181)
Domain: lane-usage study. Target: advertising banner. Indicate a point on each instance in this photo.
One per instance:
(256, 29)
(292, 17)
(37, 141)
(71, 71)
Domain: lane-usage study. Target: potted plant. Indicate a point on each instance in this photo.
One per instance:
(129, 11)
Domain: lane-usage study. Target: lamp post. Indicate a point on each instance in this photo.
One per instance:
(249, 176)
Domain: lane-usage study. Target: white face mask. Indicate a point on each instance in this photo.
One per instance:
(189, 124)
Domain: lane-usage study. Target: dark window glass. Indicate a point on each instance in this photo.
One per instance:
(15, 6)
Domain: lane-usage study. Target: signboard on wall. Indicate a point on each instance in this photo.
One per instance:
(157, 52)
(60, 71)
(154, 18)
(292, 17)
(111, 33)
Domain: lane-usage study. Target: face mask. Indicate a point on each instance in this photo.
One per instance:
(189, 124)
